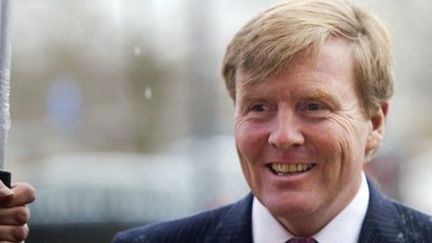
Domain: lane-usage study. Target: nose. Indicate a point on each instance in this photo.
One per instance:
(286, 131)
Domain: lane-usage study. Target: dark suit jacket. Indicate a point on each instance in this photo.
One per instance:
(386, 221)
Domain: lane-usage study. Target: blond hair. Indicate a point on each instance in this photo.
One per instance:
(270, 41)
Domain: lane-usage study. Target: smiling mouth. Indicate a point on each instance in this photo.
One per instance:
(283, 169)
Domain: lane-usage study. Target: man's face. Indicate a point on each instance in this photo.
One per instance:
(302, 137)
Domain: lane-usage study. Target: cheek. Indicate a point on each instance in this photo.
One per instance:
(250, 138)
(350, 142)
(350, 130)
(340, 164)
(343, 124)
(245, 166)
(245, 142)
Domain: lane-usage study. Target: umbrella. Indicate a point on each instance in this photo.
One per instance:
(5, 59)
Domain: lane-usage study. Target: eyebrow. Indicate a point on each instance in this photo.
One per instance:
(326, 94)
(321, 94)
(248, 98)
(312, 93)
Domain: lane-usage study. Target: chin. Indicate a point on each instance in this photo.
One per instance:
(289, 204)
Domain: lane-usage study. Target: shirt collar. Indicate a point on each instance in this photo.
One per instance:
(345, 227)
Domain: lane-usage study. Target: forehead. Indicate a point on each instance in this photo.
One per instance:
(330, 66)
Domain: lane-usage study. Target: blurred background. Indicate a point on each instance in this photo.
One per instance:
(120, 116)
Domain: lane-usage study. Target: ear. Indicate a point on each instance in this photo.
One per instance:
(377, 124)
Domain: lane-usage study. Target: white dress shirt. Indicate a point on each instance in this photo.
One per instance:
(345, 227)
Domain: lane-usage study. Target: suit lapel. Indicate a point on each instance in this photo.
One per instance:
(235, 226)
(378, 213)
(383, 222)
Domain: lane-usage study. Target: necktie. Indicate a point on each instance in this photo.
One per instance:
(301, 240)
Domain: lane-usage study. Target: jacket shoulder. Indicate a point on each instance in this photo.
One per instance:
(390, 221)
(192, 229)
(417, 225)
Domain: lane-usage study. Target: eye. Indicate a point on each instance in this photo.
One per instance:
(314, 106)
(258, 108)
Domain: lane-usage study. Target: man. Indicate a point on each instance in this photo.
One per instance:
(14, 213)
(310, 80)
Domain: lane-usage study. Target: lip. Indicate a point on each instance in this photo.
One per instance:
(284, 169)
(288, 170)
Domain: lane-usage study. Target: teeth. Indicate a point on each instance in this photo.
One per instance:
(282, 168)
